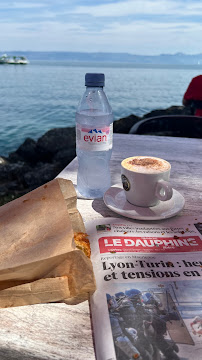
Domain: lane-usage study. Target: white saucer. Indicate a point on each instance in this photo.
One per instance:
(114, 198)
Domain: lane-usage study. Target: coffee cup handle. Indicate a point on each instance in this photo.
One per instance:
(167, 190)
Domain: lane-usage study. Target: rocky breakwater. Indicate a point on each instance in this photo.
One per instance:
(37, 162)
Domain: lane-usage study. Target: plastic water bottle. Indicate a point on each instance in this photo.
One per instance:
(94, 135)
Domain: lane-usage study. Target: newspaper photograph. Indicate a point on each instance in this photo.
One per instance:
(148, 302)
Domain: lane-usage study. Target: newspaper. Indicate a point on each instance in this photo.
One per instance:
(148, 302)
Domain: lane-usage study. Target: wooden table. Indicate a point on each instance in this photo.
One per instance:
(62, 332)
(184, 154)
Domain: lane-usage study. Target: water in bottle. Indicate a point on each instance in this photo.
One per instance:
(94, 133)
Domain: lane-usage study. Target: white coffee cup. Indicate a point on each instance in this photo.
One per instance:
(145, 180)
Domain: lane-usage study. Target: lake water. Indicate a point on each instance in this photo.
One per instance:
(44, 94)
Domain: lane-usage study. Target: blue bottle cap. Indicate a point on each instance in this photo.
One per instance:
(94, 79)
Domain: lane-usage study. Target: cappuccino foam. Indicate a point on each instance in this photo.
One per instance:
(145, 164)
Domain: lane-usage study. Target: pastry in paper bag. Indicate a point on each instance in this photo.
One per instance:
(39, 261)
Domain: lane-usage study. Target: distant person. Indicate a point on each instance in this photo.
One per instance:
(193, 96)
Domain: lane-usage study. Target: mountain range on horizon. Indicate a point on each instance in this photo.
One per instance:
(172, 59)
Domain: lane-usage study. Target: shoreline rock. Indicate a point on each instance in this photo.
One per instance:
(37, 162)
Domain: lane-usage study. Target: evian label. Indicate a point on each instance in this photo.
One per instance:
(96, 138)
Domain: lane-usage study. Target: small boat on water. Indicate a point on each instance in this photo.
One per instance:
(13, 60)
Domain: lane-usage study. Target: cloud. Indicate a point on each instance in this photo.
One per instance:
(134, 26)
(137, 37)
(21, 5)
(140, 7)
(148, 37)
(42, 36)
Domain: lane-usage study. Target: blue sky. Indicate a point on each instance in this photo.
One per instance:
(133, 26)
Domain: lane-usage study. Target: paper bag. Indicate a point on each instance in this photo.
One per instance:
(39, 261)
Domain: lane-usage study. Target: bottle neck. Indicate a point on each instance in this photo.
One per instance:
(94, 99)
(94, 87)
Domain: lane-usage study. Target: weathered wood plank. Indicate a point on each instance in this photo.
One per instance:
(46, 331)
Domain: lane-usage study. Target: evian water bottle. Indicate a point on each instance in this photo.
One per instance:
(94, 132)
